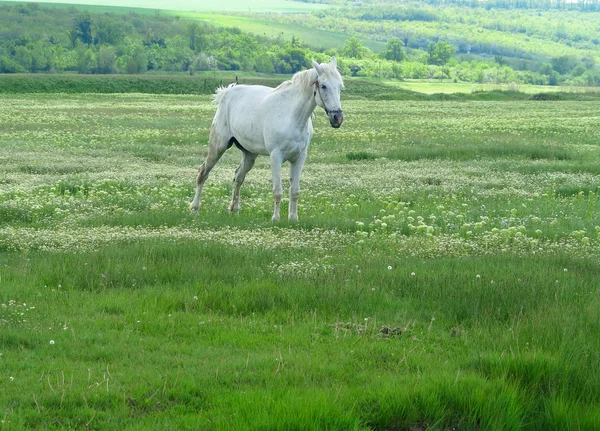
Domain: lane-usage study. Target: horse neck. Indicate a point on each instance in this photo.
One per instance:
(302, 94)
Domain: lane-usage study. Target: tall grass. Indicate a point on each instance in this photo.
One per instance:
(471, 354)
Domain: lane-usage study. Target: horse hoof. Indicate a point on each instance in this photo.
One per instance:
(275, 219)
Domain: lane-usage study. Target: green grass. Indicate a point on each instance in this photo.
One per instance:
(447, 86)
(443, 273)
(152, 334)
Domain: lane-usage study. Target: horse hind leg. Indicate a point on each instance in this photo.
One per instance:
(246, 164)
(216, 148)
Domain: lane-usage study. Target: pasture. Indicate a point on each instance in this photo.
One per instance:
(321, 39)
(444, 274)
(435, 86)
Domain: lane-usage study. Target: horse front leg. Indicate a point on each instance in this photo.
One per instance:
(276, 161)
(295, 172)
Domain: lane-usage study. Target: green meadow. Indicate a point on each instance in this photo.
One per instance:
(448, 87)
(443, 275)
(278, 6)
(229, 13)
(317, 38)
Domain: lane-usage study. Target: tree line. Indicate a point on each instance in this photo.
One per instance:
(51, 40)
(35, 39)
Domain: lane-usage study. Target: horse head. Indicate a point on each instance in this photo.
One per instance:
(328, 86)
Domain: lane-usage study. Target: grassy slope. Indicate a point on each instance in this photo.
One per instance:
(263, 27)
(196, 5)
(328, 34)
(436, 86)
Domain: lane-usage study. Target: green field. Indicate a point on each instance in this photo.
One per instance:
(319, 39)
(444, 274)
(434, 87)
(208, 12)
(280, 6)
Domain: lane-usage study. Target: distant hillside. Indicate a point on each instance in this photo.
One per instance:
(275, 6)
(516, 33)
(579, 5)
(408, 41)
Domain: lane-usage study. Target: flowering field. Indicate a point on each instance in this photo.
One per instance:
(444, 273)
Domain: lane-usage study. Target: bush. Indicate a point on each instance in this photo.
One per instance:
(546, 96)
(8, 65)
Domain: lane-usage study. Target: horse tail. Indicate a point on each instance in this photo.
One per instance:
(220, 92)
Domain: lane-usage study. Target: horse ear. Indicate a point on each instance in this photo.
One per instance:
(333, 62)
(317, 67)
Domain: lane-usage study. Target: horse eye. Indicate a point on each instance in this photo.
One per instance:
(323, 87)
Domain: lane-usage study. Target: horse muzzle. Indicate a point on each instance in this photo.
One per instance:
(336, 118)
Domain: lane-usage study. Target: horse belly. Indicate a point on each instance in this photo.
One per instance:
(246, 126)
(250, 137)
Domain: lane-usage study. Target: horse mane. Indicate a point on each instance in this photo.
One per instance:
(220, 92)
(302, 79)
(306, 78)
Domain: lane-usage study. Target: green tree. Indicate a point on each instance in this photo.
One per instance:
(550, 73)
(141, 61)
(563, 64)
(82, 29)
(505, 75)
(415, 70)
(41, 56)
(8, 65)
(295, 58)
(354, 48)
(85, 58)
(500, 60)
(264, 64)
(23, 57)
(125, 64)
(589, 62)
(194, 34)
(109, 31)
(394, 50)
(397, 70)
(579, 70)
(592, 77)
(439, 53)
(106, 60)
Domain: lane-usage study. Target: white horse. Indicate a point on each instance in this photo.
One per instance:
(271, 122)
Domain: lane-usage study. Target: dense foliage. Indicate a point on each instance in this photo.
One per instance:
(421, 42)
(36, 39)
(492, 44)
